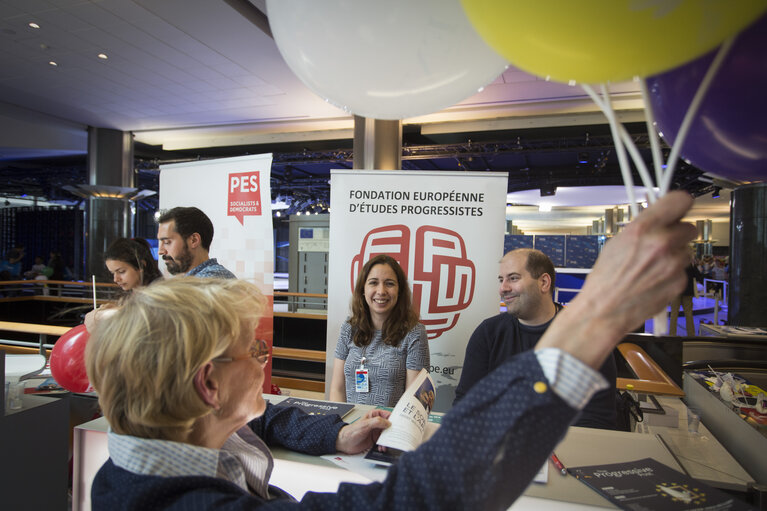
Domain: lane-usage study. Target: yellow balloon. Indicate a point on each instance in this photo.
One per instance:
(596, 41)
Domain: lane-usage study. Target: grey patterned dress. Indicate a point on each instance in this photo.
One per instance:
(387, 365)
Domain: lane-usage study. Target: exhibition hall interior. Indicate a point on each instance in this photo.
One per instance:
(103, 103)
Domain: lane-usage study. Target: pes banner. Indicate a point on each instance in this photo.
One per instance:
(235, 194)
(446, 230)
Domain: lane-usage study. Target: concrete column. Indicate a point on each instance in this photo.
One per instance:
(747, 294)
(377, 144)
(109, 214)
(110, 157)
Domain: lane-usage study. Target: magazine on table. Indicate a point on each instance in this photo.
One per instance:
(649, 484)
(314, 407)
(410, 425)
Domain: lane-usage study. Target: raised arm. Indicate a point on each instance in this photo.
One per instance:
(637, 274)
(494, 440)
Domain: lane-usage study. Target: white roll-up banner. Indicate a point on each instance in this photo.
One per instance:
(235, 194)
(446, 230)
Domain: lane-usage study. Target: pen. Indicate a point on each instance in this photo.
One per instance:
(558, 464)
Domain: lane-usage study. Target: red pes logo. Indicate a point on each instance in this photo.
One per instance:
(441, 275)
(244, 195)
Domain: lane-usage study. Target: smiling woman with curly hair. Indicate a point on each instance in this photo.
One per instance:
(382, 336)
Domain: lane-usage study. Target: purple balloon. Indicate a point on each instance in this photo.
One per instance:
(728, 136)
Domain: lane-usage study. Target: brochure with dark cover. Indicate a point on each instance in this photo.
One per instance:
(313, 407)
(387, 457)
(647, 484)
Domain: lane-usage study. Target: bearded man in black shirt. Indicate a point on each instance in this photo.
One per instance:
(526, 279)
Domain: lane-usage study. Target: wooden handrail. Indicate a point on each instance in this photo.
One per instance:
(650, 378)
(23, 350)
(277, 352)
(297, 383)
(298, 354)
(65, 299)
(321, 314)
(61, 282)
(304, 295)
(648, 387)
(113, 285)
(287, 353)
(32, 328)
(303, 315)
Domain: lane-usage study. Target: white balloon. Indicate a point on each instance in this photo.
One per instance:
(384, 59)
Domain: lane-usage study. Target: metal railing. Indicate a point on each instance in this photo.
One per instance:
(55, 290)
(303, 305)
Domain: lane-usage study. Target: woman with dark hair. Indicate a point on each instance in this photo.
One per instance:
(382, 347)
(131, 263)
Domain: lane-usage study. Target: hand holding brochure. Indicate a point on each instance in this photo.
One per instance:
(410, 425)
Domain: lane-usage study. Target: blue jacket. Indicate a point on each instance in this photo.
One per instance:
(487, 450)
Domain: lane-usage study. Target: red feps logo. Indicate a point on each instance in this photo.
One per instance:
(244, 195)
(441, 275)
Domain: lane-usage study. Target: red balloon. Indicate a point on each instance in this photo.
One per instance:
(68, 360)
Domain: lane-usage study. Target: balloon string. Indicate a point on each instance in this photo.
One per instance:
(639, 162)
(606, 107)
(657, 156)
(94, 291)
(660, 320)
(626, 138)
(692, 110)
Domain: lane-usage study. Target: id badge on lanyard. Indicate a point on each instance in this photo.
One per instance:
(361, 381)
